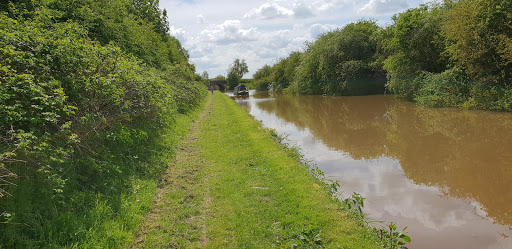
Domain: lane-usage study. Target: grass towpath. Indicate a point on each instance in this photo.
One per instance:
(232, 186)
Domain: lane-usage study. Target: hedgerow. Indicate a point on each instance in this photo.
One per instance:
(81, 132)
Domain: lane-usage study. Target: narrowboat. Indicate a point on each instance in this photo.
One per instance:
(241, 90)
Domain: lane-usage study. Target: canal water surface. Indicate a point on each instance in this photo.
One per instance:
(446, 174)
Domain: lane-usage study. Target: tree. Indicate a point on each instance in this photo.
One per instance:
(149, 11)
(284, 71)
(204, 75)
(239, 67)
(338, 61)
(479, 35)
(416, 46)
(263, 78)
(233, 79)
(219, 77)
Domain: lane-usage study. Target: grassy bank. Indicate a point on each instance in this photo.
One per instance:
(233, 186)
(103, 204)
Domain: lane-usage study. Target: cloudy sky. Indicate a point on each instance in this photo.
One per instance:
(216, 32)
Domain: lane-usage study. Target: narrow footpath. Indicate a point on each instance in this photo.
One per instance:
(232, 185)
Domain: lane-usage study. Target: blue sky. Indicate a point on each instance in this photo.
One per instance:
(216, 32)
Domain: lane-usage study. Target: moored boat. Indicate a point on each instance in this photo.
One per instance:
(241, 90)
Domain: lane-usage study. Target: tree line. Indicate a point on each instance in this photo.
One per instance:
(87, 88)
(451, 54)
(235, 72)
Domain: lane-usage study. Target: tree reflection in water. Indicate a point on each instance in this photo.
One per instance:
(464, 154)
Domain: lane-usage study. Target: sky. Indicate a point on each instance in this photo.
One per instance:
(217, 32)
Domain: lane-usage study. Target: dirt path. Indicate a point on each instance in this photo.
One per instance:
(177, 216)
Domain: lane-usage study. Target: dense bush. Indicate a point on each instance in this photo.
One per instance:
(340, 62)
(55, 80)
(416, 46)
(137, 27)
(447, 89)
(455, 54)
(87, 126)
(263, 78)
(479, 34)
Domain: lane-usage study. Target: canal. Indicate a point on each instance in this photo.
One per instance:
(445, 174)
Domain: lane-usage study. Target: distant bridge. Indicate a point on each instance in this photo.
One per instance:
(218, 84)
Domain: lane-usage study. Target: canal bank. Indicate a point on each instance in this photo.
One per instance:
(443, 173)
(233, 186)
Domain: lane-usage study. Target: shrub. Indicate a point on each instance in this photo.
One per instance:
(82, 125)
(446, 89)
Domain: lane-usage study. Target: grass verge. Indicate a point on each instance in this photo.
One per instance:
(107, 197)
(233, 186)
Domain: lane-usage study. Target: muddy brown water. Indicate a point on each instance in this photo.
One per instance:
(445, 174)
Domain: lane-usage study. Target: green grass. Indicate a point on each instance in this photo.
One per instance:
(175, 220)
(104, 210)
(233, 186)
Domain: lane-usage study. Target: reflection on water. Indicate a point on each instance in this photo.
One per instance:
(444, 173)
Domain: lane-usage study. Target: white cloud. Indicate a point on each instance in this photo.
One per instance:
(324, 5)
(317, 29)
(230, 31)
(269, 11)
(178, 33)
(383, 7)
(300, 10)
(201, 19)
(219, 45)
(215, 33)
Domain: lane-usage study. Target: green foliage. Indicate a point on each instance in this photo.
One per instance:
(88, 122)
(339, 59)
(248, 82)
(477, 38)
(219, 77)
(284, 72)
(137, 27)
(205, 75)
(233, 80)
(263, 78)
(392, 238)
(239, 68)
(415, 47)
(480, 39)
(354, 204)
(496, 98)
(341, 62)
(447, 89)
(235, 73)
(308, 237)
